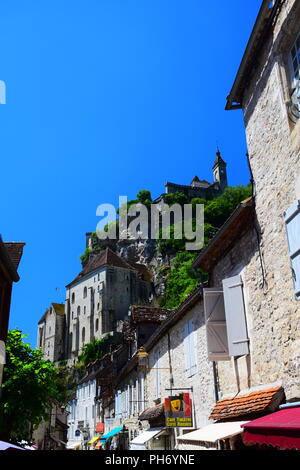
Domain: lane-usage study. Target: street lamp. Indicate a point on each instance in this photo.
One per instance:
(142, 356)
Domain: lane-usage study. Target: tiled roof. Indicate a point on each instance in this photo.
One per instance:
(152, 413)
(15, 251)
(254, 403)
(149, 314)
(105, 258)
(240, 222)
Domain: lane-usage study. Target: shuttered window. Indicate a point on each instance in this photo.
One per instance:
(292, 221)
(118, 404)
(190, 348)
(216, 331)
(226, 325)
(237, 334)
(157, 374)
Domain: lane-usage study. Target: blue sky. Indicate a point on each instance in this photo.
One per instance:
(104, 98)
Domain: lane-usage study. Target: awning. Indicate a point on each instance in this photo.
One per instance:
(139, 442)
(279, 429)
(111, 434)
(93, 440)
(145, 436)
(214, 432)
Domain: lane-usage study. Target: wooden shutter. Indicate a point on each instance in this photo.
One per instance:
(217, 343)
(238, 341)
(292, 221)
(190, 345)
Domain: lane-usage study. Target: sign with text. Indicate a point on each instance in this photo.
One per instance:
(179, 411)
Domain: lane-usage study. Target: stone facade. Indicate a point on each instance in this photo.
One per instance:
(51, 333)
(98, 300)
(261, 256)
(169, 350)
(82, 414)
(274, 150)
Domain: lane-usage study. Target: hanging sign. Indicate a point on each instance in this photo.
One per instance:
(179, 411)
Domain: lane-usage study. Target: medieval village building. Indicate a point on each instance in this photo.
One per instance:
(210, 373)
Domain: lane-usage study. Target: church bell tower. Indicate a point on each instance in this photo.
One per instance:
(219, 170)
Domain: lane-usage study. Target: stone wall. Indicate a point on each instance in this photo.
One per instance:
(273, 313)
(202, 381)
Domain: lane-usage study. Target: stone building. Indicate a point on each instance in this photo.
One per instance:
(98, 299)
(202, 188)
(51, 329)
(10, 257)
(252, 303)
(82, 412)
(177, 363)
(120, 396)
(270, 102)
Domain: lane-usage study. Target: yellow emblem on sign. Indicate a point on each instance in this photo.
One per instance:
(175, 404)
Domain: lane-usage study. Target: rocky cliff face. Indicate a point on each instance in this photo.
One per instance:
(144, 252)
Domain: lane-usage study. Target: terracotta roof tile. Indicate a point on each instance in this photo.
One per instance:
(257, 402)
(152, 413)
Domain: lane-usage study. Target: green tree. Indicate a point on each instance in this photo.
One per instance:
(144, 197)
(182, 280)
(217, 211)
(30, 383)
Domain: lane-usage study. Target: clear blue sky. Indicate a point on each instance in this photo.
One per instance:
(104, 98)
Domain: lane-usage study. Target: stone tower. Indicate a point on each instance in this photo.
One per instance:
(219, 170)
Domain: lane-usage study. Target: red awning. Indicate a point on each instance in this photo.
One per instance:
(280, 429)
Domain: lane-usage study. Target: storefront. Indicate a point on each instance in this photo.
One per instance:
(151, 439)
(109, 440)
(215, 436)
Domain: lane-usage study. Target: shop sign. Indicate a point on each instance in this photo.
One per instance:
(100, 427)
(179, 411)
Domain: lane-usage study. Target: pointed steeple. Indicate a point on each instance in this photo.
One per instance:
(219, 160)
(219, 170)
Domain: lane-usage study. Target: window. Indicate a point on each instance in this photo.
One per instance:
(78, 311)
(73, 298)
(118, 404)
(157, 374)
(85, 292)
(225, 317)
(295, 80)
(190, 348)
(83, 335)
(97, 325)
(292, 222)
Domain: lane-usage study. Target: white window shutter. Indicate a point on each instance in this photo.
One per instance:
(238, 341)
(292, 221)
(187, 350)
(217, 342)
(157, 378)
(192, 348)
